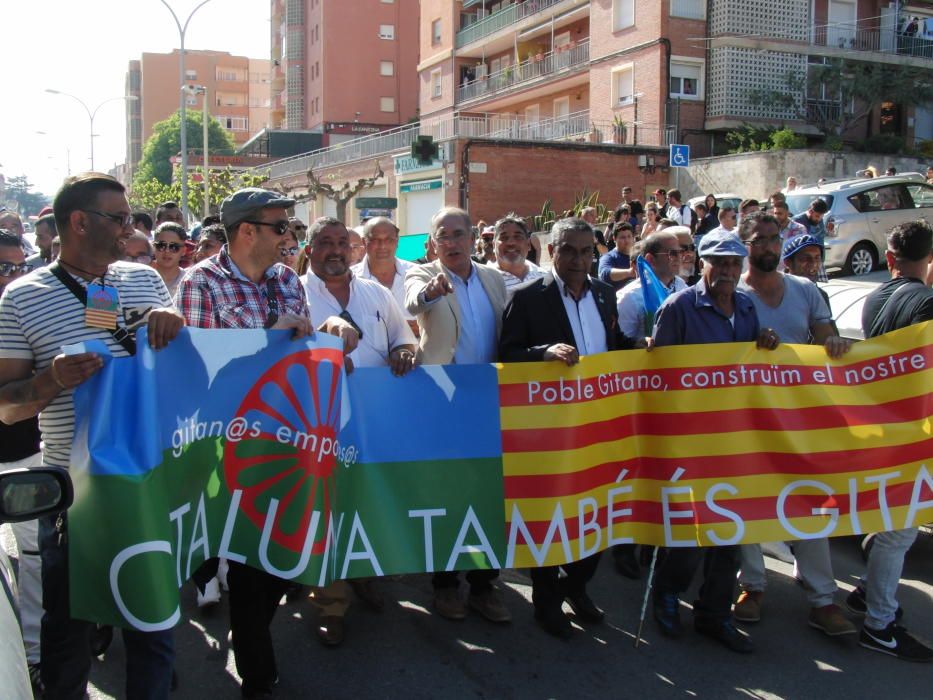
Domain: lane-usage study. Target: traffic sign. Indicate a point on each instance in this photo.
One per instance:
(680, 155)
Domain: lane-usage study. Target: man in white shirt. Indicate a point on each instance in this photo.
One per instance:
(661, 250)
(385, 339)
(513, 241)
(380, 237)
(678, 211)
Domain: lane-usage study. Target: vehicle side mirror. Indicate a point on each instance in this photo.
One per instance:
(27, 494)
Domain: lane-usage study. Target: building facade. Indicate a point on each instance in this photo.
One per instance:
(237, 93)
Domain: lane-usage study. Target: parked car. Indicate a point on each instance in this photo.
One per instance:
(25, 494)
(861, 213)
(846, 299)
(723, 199)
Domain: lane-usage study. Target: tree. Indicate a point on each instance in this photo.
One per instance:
(149, 194)
(848, 83)
(18, 191)
(165, 143)
(340, 195)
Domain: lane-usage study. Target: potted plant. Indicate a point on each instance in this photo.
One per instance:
(594, 136)
(619, 127)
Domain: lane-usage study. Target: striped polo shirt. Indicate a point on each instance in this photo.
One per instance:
(39, 316)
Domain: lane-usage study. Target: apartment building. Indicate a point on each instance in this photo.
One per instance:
(237, 93)
(344, 69)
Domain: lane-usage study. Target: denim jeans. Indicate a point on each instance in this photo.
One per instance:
(66, 655)
(885, 564)
(720, 565)
(813, 565)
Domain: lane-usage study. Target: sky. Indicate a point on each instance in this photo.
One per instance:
(83, 47)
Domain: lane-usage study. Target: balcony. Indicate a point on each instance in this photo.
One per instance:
(823, 111)
(527, 72)
(852, 37)
(501, 19)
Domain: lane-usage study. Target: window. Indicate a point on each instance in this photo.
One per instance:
(233, 123)
(922, 195)
(386, 104)
(386, 68)
(688, 9)
(436, 32)
(387, 31)
(436, 87)
(687, 78)
(623, 14)
(623, 85)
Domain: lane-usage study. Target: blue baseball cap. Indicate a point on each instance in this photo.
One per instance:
(243, 204)
(720, 243)
(798, 243)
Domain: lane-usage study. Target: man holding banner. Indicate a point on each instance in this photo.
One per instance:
(560, 317)
(245, 286)
(711, 311)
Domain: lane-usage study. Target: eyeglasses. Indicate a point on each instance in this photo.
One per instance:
(299, 227)
(8, 269)
(764, 242)
(488, 237)
(280, 227)
(673, 253)
(687, 248)
(123, 220)
(450, 238)
(143, 259)
(162, 245)
(286, 252)
(345, 315)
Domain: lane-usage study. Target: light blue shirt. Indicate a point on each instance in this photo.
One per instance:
(476, 339)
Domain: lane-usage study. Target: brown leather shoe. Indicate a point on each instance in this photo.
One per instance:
(489, 604)
(449, 604)
(367, 590)
(330, 630)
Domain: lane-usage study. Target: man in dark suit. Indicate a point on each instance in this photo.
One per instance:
(560, 317)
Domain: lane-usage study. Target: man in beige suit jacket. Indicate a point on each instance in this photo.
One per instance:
(459, 306)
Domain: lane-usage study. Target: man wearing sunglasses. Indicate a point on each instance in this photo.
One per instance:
(39, 314)
(246, 286)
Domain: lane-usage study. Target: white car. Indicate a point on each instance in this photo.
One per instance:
(723, 199)
(861, 213)
(25, 494)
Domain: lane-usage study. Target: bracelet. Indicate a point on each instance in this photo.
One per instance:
(55, 376)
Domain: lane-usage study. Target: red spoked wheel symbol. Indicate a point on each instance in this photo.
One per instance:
(295, 408)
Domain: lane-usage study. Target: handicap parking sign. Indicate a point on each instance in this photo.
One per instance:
(680, 155)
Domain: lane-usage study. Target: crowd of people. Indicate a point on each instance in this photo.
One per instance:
(480, 294)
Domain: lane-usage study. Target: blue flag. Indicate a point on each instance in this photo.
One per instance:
(654, 292)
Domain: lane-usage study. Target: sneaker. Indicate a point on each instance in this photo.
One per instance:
(726, 634)
(830, 620)
(449, 604)
(895, 641)
(211, 594)
(748, 606)
(667, 614)
(489, 604)
(856, 603)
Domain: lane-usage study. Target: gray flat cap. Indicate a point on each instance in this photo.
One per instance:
(720, 243)
(243, 204)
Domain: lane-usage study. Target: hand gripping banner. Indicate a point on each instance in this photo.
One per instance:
(255, 447)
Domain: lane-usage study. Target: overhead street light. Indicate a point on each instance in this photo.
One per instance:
(92, 113)
(182, 28)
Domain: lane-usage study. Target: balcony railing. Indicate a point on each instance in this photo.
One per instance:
(501, 19)
(823, 111)
(575, 127)
(532, 69)
(856, 37)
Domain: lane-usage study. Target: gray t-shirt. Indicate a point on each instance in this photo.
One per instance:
(801, 307)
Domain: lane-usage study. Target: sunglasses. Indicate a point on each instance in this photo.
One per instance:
(345, 315)
(287, 252)
(280, 227)
(162, 245)
(8, 269)
(688, 248)
(488, 236)
(123, 219)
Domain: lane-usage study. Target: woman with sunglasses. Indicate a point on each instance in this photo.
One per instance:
(169, 247)
(289, 249)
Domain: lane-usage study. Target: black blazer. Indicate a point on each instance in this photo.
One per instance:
(535, 319)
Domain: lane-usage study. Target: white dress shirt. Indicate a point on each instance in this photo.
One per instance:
(630, 301)
(589, 333)
(372, 308)
(361, 269)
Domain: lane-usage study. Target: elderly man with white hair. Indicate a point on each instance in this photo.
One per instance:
(380, 239)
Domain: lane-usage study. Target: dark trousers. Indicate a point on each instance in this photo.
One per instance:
(66, 642)
(548, 589)
(720, 566)
(480, 580)
(254, 598)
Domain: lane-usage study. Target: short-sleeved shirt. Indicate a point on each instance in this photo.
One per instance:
(361, 269)
(215, 294)
(372, 308)
(801, 307)
(914, 304)
(689, 317)
(39, 316)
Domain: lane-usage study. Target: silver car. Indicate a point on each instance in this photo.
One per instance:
(861, 213)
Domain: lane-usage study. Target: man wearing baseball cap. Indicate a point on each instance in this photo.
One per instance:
(711, 311)
(246, 286)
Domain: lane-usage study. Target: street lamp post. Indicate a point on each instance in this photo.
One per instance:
(91, 114)
(182, 28)
(202, 90)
